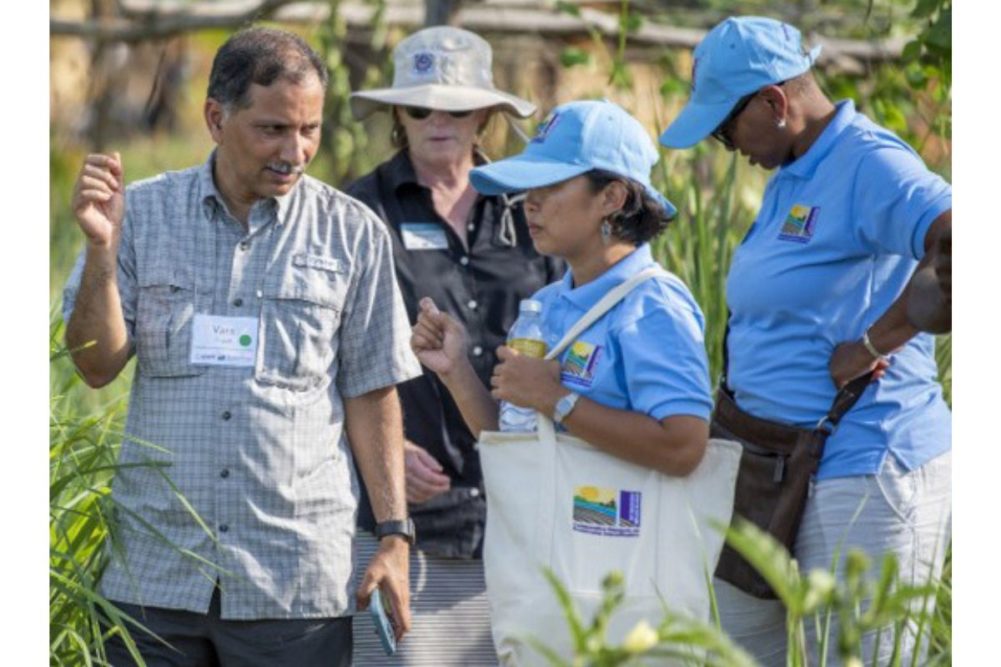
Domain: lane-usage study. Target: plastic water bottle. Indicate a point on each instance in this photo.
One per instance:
(525, 336)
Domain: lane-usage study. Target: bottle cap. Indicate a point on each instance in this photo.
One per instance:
(530, 306)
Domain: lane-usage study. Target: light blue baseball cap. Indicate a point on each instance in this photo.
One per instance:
(736, 58)
(574, 139)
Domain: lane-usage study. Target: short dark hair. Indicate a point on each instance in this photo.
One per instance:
(261, 56)
(641, 217)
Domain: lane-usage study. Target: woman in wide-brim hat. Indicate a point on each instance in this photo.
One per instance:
(474, 253)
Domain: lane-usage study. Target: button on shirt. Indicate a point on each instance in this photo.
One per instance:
(647, 354)
(839, 233)
(480, 285)
(258, 451)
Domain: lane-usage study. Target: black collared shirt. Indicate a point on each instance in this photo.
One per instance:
(481, 287)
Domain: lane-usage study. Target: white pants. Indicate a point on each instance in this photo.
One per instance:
(908, 514)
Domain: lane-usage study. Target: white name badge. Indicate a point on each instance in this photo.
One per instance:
(223, 341)
(423, 236)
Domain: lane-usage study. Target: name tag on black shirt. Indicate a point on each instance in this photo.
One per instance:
(423, 236)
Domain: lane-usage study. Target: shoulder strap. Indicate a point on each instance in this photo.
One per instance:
(605, 304)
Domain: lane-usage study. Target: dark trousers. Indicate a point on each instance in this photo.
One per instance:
(200, 640)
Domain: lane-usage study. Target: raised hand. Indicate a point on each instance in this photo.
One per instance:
(438, 340)
(99, 198)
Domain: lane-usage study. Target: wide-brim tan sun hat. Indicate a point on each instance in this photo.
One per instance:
(442, 68)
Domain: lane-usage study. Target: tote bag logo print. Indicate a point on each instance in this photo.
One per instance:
(606, 512)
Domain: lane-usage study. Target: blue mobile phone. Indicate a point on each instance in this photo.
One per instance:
(383, 626)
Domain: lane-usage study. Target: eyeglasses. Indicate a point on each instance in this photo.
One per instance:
(722, 131)
(420, 113)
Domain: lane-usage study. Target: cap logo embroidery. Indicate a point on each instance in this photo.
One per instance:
(423, 62)
(547, 126)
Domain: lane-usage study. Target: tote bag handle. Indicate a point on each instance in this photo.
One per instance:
(612, 297)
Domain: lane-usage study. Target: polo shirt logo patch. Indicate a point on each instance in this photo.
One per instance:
(606, 512)
(800, 223)
(578, 367)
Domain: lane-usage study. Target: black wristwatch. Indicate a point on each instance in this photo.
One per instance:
(404, 527)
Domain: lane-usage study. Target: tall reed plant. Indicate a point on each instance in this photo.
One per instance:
(82, 459)
(83, 517)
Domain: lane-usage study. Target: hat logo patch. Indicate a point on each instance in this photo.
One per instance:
(423, 62)
(800, 223)
(546, 127)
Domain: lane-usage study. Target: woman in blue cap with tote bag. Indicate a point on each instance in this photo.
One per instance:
(817, 293)
(589, 201)
(626, 372)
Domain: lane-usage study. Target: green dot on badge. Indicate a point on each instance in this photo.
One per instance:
(245, 340)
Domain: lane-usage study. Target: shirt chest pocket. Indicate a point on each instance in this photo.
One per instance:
(300, 317)
(166, 307)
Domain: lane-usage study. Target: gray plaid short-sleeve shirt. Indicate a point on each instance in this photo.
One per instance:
(258, 452)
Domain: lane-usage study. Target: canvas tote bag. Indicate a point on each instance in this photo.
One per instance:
(556, 502)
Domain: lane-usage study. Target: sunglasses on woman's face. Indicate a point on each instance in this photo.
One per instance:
(420, 113)
(722, 131)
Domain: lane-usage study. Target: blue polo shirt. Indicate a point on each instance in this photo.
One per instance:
(839, 234)
(647, 354)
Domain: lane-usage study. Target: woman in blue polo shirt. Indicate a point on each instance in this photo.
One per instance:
(638, 386)
(818, 296)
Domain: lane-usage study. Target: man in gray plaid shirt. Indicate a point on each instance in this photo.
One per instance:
(262, 307)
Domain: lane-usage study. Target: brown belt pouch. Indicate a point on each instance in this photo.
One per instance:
(774, 476)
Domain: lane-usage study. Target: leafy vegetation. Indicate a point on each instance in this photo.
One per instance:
(862, 600)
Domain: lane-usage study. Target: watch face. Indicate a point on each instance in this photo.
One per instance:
(563, 407)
